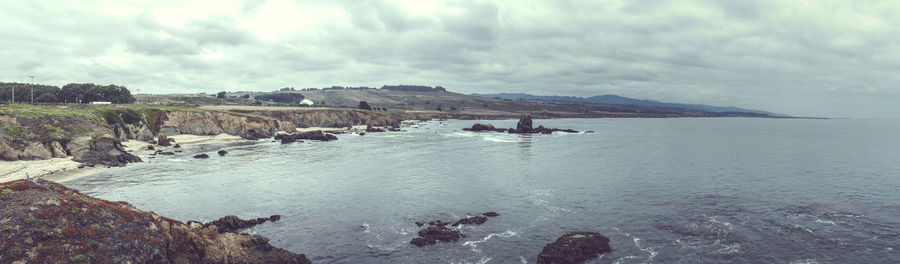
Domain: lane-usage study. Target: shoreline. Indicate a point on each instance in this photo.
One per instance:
(60, 170)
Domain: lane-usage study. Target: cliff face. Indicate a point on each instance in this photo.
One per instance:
(45, 222)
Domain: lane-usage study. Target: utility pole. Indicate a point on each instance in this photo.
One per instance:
(14, 94)
(32, 89)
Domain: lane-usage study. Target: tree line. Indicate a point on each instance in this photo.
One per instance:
(69, 93)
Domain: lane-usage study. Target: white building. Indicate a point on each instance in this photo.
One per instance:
(100, 102)
(307, 102)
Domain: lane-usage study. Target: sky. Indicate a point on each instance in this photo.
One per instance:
(803, 58)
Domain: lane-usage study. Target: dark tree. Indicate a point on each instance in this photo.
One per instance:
(364, 105)
(283, 98)
(221, 94)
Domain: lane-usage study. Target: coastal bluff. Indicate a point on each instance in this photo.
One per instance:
(93, 134)
(45, 222)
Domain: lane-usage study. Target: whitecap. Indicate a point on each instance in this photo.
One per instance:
(474, 244)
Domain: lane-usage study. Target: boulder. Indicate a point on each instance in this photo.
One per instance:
(177, 146)
(150, 147)
(78, 146)
(222, 152)
(163, 140)
(433, 234)
(574, 247)
(106, 149)
(57, 150)
(8, 152)
(201, 156)
(36, 150)
(165, 153)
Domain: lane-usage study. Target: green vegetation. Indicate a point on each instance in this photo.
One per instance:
(5, 191)
(39, 204)
(70, 93)
(284, 98)
(13, 131)
(7, 228)
(364, 105)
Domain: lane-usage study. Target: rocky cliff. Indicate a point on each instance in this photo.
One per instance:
(45, 222)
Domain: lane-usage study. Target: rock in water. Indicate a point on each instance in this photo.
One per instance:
(491, 214)
(524, 125)
(433, 234)
(163, 140)
(201, 156)
(222, 152)
(371, 129)
(475, 220)
(574, 247)
(482, 127)
(231, 223)
(311, 135)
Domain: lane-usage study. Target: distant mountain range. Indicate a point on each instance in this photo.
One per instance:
(611, 99)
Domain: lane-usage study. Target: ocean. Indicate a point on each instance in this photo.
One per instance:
(685, 190)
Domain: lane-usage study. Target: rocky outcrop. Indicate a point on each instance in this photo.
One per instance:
(478, 127)
(48, 223)
(231, 223)
(6, 151)
(36, 151)
(433, 234)
(310, 135)
(523, 127)
(163, 140)
(438, 231)
(57, 150)
(106, 149)
(370, 129)
(574, 247)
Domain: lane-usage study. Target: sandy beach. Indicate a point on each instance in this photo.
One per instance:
(65, 169)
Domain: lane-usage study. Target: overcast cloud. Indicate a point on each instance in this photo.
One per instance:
(813, 58)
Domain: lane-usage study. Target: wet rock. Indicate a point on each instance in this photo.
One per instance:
(150, 147)
(177, 146)
(222, 152)
(477, 127)
(201, 156)
(362, 133)
(574, 247)
(231, 223)
(491, 214)
(311, 135)
(524, 125)
(165, 153)
(163, 140)
(419, 224)
(433, 234)
(438, 223)
(475, 220)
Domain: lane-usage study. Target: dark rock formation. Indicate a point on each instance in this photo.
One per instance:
(150, 147)
(231, 223)
(475, 220)
(491, 214)
(165, 152)
(201, 156)
(477, 127)
(524, 125)
(222, 152)
(311, 135)
(371, 129)
(163, 140)
(433, 234)
(362, 133)
(574, 247)
(177, 146)
(105, 149)
(70, 227)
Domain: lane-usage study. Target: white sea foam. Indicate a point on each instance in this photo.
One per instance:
(474, 244)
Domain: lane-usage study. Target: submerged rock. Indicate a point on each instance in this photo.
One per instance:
(491, 214)
(201, 156)
(574, 247)
(475, 220)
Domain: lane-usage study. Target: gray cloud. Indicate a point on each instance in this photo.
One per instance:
(822, 58)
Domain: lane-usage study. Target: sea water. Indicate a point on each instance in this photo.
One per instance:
(704, 190)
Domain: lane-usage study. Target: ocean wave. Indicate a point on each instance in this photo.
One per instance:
(474, 243)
